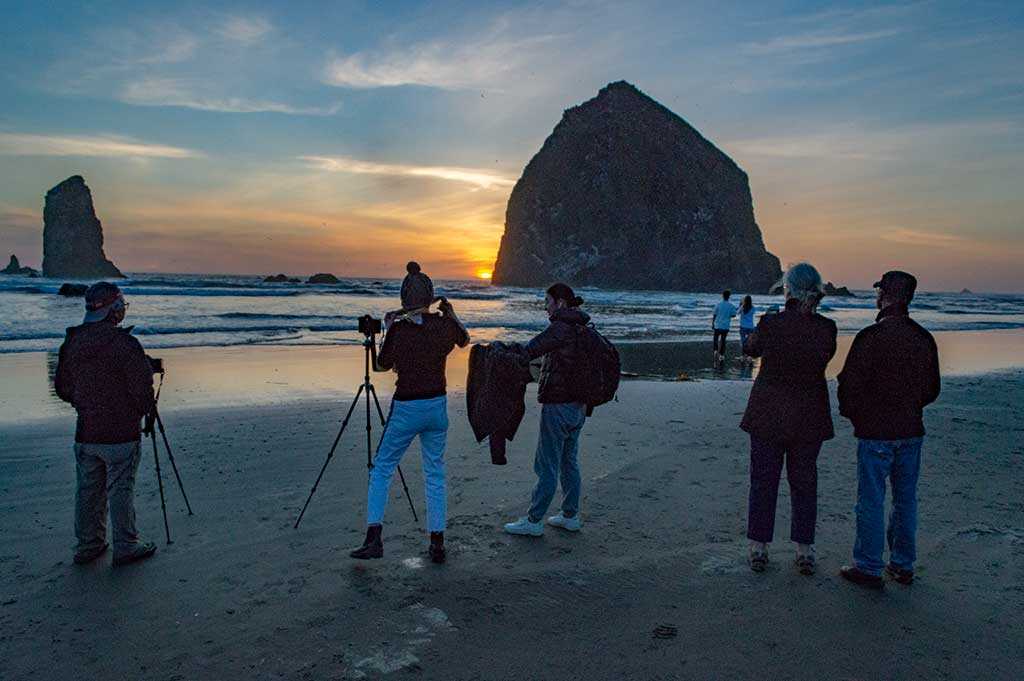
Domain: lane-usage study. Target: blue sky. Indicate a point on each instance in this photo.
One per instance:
(351, 136)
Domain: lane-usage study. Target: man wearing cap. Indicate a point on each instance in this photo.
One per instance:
(891, 374)
(104, 373)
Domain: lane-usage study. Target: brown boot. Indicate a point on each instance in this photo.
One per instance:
(437, 551)
(373, 546)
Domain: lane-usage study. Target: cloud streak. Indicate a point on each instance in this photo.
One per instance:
(245, 30)
(103, 146)
(816, 40)
(181, 93)
(449, 65)
(480, 178)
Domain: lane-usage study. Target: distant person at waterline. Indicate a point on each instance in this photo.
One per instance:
(562, 415)
(721, 320)
(416, 345)
(891, 373)
(746, 313)
(104, 373)
(788, 415)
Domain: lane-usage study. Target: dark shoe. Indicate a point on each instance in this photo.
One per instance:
(758, 560)
(373, 546)
(806, 564)
(89, 555)
(437, 551)
(899, 575)
(853, 574)
(140, 552)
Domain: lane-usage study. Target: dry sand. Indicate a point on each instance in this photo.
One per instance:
(655, 586)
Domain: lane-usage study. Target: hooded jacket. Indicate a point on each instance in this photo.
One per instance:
(558, 345)
(104, 373)
(891, 373)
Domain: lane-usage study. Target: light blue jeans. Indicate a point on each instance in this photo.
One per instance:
(428, 419)
(557, 447)
(900, 461)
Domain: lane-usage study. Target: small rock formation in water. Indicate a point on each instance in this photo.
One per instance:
(838, 292)
(626, 194)
(72, 235)
(280, 279)
(323, 278)
(965, 291)
(14, 267)
(72, 290)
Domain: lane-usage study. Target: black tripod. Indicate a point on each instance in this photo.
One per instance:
(367, 389)
(154, 417)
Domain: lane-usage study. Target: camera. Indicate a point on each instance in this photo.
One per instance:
(368, 326)
(156, 364)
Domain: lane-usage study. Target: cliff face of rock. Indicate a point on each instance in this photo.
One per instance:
(72, 235)
(625, 194)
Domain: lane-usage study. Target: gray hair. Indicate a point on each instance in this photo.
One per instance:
(803, 283)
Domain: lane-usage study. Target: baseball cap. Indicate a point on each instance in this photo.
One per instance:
(898, 284)
(99, 298)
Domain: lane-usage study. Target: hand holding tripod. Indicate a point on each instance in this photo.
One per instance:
(369, 327)
(153, 417)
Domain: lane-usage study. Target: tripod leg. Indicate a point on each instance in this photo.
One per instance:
(330, 454)
(170, 456)
(160, 484)
(401, 476)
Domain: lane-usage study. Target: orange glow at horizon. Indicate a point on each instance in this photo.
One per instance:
(486, 274)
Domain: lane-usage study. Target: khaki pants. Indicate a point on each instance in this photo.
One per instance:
(106, 471)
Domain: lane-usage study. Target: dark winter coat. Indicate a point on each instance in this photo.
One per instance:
(558, 345)
(890, 375)
(495, 392)
(789, 401)
(419, 353)
(104, 373)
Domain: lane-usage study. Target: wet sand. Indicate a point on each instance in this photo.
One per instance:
(654, 587)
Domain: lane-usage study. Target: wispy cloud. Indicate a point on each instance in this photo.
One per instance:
(182, 93)
(451, 65)
(480, 178)
(921, 238)
(245, 30)
(817, 40)
(98, 146)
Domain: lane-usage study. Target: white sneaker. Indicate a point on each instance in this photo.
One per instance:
(525, 527)
(572, 524)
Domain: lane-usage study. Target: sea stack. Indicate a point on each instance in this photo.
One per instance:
(72, 235)
(626, 194)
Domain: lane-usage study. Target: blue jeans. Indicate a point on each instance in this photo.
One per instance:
(560, 426)
(428, 419)
(744, 333)
(900, 461)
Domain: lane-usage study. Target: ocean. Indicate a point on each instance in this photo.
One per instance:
(192, 310)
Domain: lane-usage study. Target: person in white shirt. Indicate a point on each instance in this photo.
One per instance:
(746, 313)
(721, 319)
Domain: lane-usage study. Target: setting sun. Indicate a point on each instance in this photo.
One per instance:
(484, 275)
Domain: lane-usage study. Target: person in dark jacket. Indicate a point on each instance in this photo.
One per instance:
(104, 373)
(788, 415)
(891, 373)
(416, 346)
(562, 415)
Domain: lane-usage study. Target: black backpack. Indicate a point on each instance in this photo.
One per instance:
(597, 367)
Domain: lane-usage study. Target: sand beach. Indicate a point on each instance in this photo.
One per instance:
(655, 587)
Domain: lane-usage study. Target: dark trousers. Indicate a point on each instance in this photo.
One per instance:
(719, 334)
(766, 460)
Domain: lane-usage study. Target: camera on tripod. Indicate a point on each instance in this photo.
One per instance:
(368, 326)
(156, 364)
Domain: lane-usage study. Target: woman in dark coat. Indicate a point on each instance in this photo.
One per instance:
(788, 415)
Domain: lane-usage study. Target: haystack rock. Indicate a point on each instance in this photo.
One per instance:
(72, 235)
(626, 194)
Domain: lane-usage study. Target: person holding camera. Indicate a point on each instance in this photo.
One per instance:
(416, 345)
(104, 373)
(562, 415)
(788, 415)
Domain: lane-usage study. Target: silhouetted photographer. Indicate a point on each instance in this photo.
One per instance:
(105, 374)
(416, 346)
